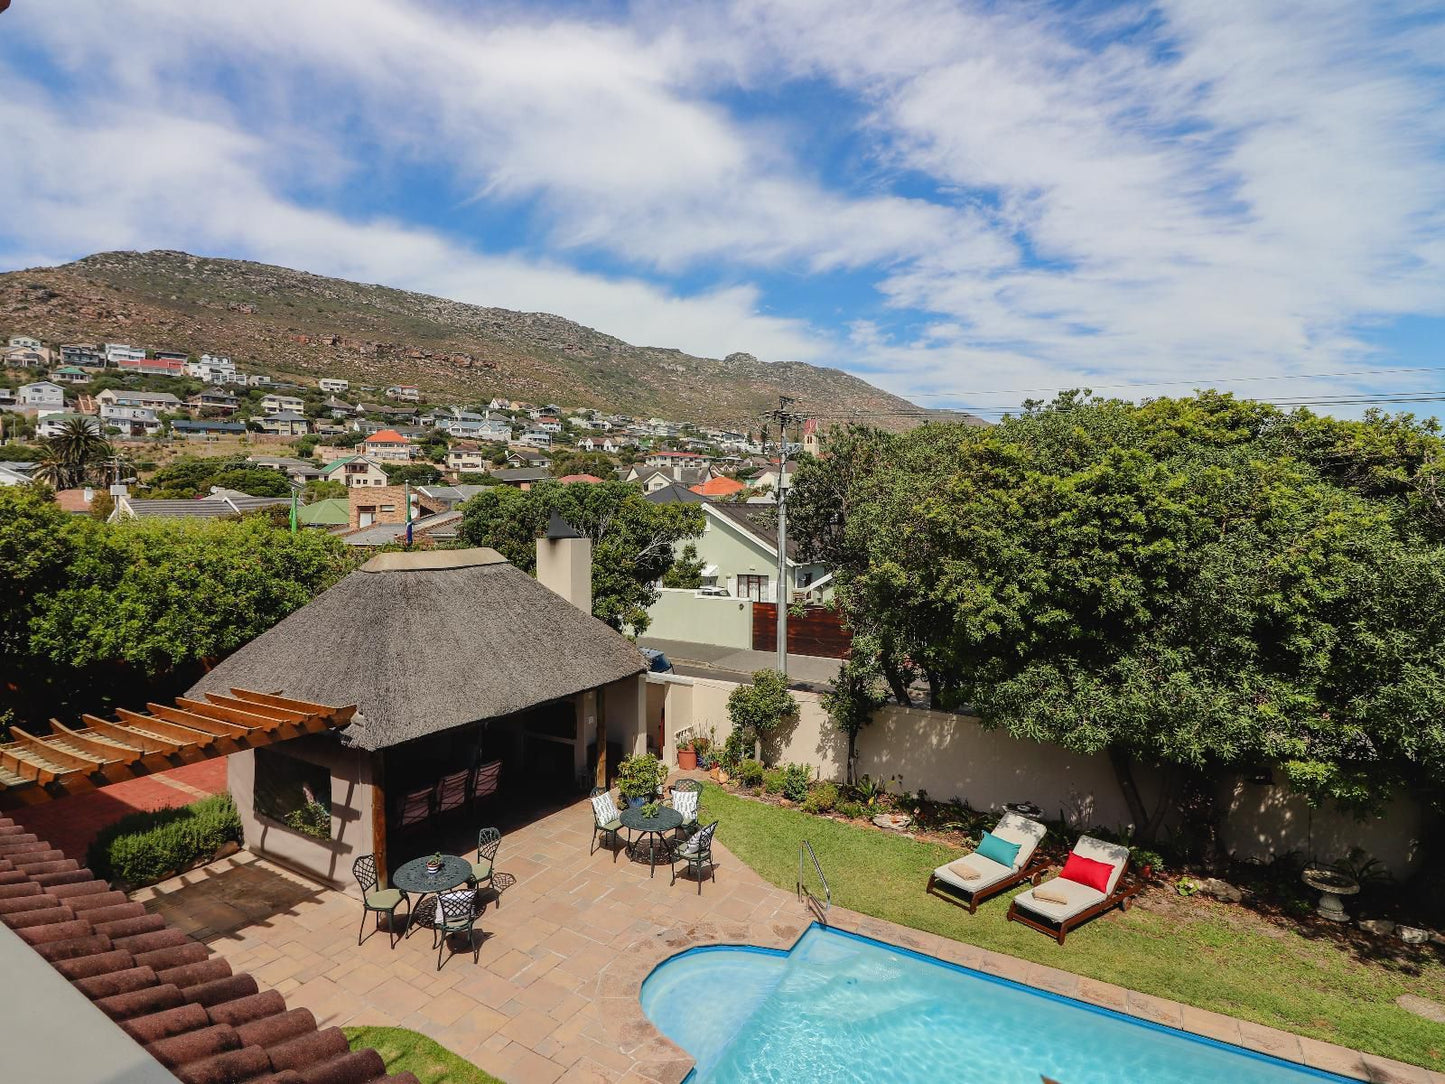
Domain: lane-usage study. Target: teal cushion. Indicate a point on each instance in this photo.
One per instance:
(383, 900)
(481, 869)
(999, 850)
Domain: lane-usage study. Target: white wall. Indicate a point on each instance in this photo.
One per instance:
(701, 619)
(952, 756)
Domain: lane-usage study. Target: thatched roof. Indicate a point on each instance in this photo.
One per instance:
(425, 641)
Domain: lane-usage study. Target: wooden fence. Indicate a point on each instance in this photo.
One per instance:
(819, 631)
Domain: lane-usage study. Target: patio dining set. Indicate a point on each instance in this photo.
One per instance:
(442, 893)
(671, 831)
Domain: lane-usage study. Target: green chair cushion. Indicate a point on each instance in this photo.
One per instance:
(611, 826)
(481, 869)
(384, 899)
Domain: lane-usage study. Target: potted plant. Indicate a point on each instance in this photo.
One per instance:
(649, 809)
(434, 863)
(687, 755)
(638, 778)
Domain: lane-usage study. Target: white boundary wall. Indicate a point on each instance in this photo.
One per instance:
(952, 756)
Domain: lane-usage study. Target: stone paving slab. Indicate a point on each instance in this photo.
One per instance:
(564, 949)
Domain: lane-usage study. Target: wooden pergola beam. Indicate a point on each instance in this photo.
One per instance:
(37, 768)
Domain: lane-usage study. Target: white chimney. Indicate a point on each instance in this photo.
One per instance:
(88, 495)
(564, 563)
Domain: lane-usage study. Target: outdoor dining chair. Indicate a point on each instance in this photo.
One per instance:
(449, 914)
(376, 900)
(685, 802)
(606, 820)
(696, 853)
(488, 841)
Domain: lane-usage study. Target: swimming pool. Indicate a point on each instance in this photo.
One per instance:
(839, 1007)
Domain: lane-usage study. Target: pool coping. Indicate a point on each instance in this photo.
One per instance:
(1198, 1023)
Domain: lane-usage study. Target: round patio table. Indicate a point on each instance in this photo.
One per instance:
(665, 820)
(412, 877)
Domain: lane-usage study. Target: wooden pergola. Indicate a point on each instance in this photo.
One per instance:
(72, 760)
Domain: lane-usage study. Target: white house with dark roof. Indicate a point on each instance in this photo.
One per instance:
(41, 395)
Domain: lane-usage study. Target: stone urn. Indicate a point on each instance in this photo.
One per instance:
(1332, 885)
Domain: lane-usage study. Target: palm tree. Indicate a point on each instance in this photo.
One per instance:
(72, 453)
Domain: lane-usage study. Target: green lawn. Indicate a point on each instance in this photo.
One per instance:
(404, 1050)
(1221, 959)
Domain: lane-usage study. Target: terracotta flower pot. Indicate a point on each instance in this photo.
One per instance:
(687, 759)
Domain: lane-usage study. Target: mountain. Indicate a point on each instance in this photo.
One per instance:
(290, 323)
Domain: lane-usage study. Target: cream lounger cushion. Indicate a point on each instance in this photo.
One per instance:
(1080, 898)
(989, 873)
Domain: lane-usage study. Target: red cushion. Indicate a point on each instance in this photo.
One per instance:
(1086, 871)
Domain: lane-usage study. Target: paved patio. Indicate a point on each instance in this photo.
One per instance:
(555, 992)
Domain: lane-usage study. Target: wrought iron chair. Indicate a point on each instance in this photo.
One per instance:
(606, 820)
(685, 802)
(696, 853)
(693, 785)
(488, 841)
(378, 901)
(448, 914)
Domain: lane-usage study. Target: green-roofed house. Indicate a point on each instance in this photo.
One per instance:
(332, 512)
(70, 374)
(354, 470)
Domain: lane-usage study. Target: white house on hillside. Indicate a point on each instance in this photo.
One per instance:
(42, 395)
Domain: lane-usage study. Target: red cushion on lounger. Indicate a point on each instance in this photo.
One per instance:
(1086, 871)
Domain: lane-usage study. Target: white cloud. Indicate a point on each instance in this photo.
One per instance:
(1218, 189)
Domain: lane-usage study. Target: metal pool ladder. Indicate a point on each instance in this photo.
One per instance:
(818, 906)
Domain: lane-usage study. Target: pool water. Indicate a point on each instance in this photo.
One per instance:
(840, 1007)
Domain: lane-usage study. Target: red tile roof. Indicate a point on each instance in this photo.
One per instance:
(386, 436)
(718, 487)
(590, 479)
(161, 987)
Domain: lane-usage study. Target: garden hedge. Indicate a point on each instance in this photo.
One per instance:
(144, 848)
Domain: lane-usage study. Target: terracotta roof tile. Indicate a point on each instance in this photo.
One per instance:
(162, 988)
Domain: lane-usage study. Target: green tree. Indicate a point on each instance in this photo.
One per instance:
(854, 698)
(416, 474)
(1207, 582)
(632, 538)
(762, 707)
(257, 481)
(572, 461)
(686, 570)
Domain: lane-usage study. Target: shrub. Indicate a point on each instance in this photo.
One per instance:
(639, 776)
(773, 781)
(144, 848)
(733, 750)
(851, 810)
(750, 773)
(312, 819)
(796, 780)
(822, 798)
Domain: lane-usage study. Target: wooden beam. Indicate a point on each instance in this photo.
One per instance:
(265, 711)
(147, 743)
(149, 724)
(378, 814)
(63, 757)
(110, 751)
(339, 716)
(196, 721)
(247, 719)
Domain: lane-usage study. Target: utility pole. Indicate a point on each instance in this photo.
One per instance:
(785, 417)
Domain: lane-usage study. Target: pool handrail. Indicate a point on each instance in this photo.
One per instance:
(818, 906)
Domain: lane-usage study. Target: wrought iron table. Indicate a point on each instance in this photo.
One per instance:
(651, 828)
(412, 877)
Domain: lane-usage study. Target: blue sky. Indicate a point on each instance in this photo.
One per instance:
(961, 202)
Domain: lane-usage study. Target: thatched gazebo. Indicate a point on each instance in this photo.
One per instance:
(459, 663)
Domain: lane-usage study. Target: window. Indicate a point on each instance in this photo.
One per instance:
(754, 587)
(295, 792)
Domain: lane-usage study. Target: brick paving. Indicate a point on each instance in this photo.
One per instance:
(71, 824)
(566, 946)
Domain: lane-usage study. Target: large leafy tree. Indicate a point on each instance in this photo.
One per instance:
(632, 538)
(92, 613)
(1205, 582)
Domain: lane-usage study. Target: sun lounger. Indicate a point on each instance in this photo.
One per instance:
(948, 883)
(1081, 902)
